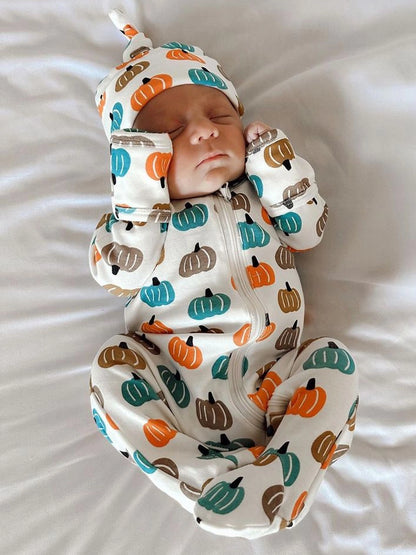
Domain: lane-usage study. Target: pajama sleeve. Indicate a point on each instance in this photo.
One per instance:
(286, 186)
(127, 243)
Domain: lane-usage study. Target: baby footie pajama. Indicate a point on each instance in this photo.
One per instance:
(210, 391)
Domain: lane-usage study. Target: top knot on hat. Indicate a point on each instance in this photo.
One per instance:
(147, 71)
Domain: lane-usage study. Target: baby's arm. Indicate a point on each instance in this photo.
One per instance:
(286, 186)
(127, 244)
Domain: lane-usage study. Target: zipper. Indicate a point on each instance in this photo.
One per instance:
(255, 307)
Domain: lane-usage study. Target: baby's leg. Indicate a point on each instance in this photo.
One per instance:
(133, 414)
(311, 417)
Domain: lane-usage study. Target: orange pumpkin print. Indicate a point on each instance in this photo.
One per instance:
(178, 54)
(242, 335)
(260, 274)
(129, 31)
(185, 352)
(157, 165)
(149, 89)
(101, 104)
(268, 330)
(155, 326)
(262, 396)
(265, 216)
(97, 255)
(257, 450)
(111, 422)
(299, 505)
(307, 401)
(158, 433)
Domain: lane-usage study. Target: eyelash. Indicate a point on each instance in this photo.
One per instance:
(221, 116)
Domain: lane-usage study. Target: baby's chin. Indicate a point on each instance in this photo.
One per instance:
(212, 183)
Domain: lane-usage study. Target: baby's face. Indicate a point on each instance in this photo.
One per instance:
(207, 137)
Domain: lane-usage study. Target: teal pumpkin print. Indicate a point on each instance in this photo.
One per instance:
(178, 45)
(116, 116)
(143, 463)
(290, 464)
(192, 216)
(101, 425)
(289, 223)
(176, 386)
(120, 162)
(224, 497)
(138, 391)
(258, 184)
(219, 369)
(204, 77)
(160, 293)
(252, 235)
(244, 366)
(331, 357)
(209, 305)
(207, 454)
(112, 220)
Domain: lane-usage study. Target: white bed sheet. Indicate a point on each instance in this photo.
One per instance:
(340, 79)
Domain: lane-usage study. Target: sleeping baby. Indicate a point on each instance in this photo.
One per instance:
(210, 391)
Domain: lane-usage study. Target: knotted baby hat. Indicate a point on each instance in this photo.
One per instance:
(147, 71)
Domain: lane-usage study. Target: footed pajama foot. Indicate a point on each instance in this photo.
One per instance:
(244, 502)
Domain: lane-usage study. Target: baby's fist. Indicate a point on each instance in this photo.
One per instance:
(254, 130)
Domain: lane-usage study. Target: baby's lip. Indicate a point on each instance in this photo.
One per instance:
(210, 156)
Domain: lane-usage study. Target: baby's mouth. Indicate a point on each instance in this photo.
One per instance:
(211, 156)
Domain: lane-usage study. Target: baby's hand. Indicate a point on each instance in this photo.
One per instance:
(254, 130)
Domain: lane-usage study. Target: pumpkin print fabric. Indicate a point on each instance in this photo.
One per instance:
(210, 392)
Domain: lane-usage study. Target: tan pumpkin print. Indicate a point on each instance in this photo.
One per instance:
(260, 274)
(185, 352)
(144, 342)
(264, 139)
(119, 291)
(239, 201)
(149, 89)
(155, 326)
(272, 500)
(321, 223)
(158, 432)
(339, 452)
(279, 154)
(177, 54)
(284, 258)
(323, 448)
(289, 299)
(213, 414)
(131, 139)
(202, 259)
(130, 73)
(190, 491)
(307, 401)
(135, 55)
(306, 344)
(122, 257)
(294, 191)
(288, 339)
(121, 354)
(168, 466)
(261, 372)
(262, 396)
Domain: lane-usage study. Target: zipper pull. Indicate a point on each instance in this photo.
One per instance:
(225, 191)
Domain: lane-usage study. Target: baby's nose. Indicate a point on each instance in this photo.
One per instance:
(203, 129)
